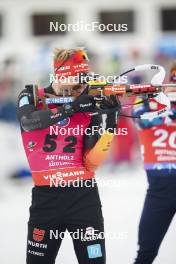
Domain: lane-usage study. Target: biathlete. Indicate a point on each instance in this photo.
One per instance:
(158, 145)
(68, 159)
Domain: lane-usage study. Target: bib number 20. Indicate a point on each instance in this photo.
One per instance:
(164, 138)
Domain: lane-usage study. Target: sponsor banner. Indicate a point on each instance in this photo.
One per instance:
(56, 177)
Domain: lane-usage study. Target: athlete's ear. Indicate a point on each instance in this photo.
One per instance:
(56, 87)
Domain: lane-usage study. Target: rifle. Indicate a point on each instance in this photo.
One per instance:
(100, 90)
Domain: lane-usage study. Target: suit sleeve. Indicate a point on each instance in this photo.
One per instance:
(31, 118)
(98, 144)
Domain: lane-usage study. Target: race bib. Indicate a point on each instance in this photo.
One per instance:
(158, 146)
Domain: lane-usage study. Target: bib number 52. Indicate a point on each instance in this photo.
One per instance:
(50, 144)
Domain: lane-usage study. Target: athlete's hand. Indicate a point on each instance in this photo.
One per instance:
(112, 106)
(84, 103)
(111, 103)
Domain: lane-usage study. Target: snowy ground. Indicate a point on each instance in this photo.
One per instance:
(122, 204)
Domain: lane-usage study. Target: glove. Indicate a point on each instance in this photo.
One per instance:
(113, 106)
(111, 103)
(84, 103)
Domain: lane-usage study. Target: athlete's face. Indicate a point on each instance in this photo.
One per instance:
(68, 89)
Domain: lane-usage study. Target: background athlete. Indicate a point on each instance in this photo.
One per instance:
(158, 145)
(67, 158)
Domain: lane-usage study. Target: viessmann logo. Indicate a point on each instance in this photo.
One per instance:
(60, 175)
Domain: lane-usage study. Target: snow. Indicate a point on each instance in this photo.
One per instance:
(122, 204)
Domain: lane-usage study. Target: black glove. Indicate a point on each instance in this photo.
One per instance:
(111, 103)
(84, 103)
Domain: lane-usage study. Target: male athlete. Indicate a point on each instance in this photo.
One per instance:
(57, 161)
(158, 145)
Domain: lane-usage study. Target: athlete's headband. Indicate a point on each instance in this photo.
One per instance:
(76, 63)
